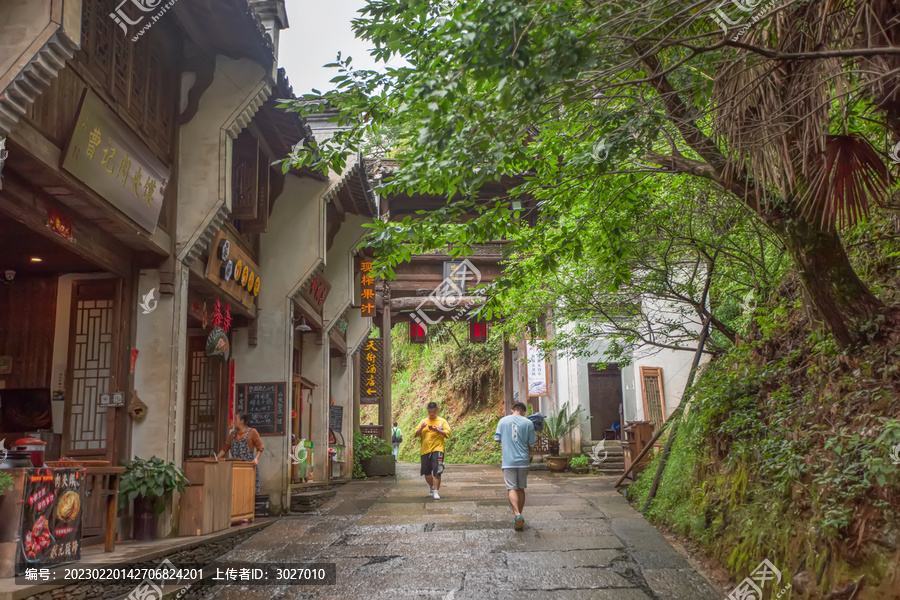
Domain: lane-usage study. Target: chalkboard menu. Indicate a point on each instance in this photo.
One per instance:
(335, 417)
(265, 405)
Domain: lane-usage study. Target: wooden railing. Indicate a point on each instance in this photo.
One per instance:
(542, 446)
(101, 504)
(376, 431)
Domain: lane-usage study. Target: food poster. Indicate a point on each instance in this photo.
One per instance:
(51, 518)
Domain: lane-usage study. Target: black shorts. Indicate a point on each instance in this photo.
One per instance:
(433, 464)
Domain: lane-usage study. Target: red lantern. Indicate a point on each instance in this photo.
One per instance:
(478, 332)
(416, 333)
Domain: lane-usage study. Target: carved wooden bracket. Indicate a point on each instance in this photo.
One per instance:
(167, 276)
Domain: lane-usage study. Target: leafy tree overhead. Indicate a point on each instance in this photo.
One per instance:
(589, 101)
(691, 255)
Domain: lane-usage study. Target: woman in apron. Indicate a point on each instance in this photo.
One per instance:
(244, 443)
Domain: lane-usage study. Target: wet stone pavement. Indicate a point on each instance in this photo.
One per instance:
(389, 540)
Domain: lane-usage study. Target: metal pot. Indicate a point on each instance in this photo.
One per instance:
(35, 449)
(17, 460)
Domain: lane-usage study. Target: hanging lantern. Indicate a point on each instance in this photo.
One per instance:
(478, 332)
(416, 333)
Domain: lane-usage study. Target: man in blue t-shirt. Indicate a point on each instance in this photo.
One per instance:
(515, 434)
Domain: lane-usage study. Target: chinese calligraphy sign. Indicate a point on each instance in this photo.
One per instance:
(315, 290)
(371, 376)
(536, 370)
(104, 154)
(59, 224)
(367, 295)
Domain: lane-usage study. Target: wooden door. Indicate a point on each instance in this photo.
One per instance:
(205, 403)
(605, 391)
(92, 369)
(653, 396)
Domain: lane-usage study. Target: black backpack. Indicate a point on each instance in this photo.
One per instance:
(396, 439)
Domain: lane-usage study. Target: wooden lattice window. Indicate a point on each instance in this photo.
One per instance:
(245, 177)
(261, 223)
(140, 78)
(654, 398)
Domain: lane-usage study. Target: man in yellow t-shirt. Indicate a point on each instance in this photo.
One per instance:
(433, 431)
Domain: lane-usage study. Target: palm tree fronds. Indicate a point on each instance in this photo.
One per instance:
(850, 174)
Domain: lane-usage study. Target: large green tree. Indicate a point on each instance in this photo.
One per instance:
(691, 255)
(584, 99)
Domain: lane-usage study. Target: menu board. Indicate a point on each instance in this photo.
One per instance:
(265, 405)
(335, 417)
(51, 518)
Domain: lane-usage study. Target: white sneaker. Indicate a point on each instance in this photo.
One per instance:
(431, 492)
(436, 495)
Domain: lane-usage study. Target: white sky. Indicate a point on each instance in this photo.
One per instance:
(318, 30)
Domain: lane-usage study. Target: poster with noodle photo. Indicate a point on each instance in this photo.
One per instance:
(51, 518)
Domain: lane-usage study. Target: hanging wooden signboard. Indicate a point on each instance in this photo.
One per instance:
(104, 154)
(233, 270)
(367, 293)
(371, 373)
(315, 291)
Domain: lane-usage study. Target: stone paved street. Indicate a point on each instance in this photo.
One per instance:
(389, 540)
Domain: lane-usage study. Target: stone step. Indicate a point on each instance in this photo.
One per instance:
(304, 501)
(609, 471)
(608, 452)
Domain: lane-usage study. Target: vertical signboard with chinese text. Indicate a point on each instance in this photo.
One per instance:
(537, 370)
(371, 376)
(51, 518)
(315, 291)
(104, 154)
(367, 295)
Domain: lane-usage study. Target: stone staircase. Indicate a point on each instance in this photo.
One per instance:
(308, 497)
(614, 461)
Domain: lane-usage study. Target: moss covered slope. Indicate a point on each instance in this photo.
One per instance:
(464, 379)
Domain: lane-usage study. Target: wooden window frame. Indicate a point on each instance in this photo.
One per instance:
(658, 373)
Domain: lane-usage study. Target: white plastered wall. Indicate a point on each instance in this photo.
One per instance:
(290, 251)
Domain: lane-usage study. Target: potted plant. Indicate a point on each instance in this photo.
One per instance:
(149, 483)
(580, 464)
(556, 426)
(372, 457)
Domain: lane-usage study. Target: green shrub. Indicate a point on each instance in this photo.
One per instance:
(579, 462)
(365, 447)
(151, 479)
(6, 482)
